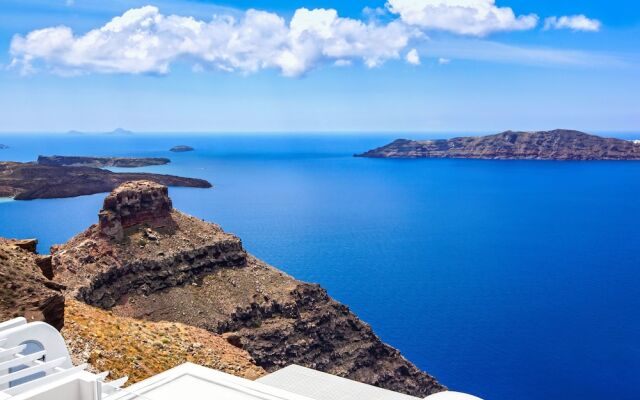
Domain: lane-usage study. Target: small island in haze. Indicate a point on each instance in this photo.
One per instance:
(181, 149)
(99, 162)
(559, 144)
(117, 131)
(3, 146)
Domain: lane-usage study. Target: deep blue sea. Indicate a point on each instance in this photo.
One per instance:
(505, 279)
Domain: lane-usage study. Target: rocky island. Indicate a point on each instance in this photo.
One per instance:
(181, 149)
(557, 144)
(101, 162)
(28, 181)
(3, 146)
(145, 261)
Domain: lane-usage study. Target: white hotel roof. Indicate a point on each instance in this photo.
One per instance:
(44, 372)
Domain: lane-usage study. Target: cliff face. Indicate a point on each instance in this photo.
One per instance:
(148, 261)
(99, 162)
(545, 145)
(27, 181)
(24, 290)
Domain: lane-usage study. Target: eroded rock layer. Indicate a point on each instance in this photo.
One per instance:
(174, 267)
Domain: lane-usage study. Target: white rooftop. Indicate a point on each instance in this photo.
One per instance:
(35, 365)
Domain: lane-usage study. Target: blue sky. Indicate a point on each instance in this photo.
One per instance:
(377, 66)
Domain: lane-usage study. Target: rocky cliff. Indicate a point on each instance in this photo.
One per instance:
(558, 144)
(100, 162)
(24, 290)
(27, 181)
(148, 261)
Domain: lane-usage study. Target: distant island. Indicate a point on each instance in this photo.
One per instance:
(99, 162)
(28, 181)
(3, 146)
(559, 144)
(181, 149)
(117, 131)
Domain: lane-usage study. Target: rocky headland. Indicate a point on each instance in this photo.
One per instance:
(28, 181)
(101, 162)
(181, 149)
(144, 260)
(123, 346)
(557, 144)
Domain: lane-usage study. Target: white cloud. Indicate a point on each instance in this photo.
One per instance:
(142, 40)
(413, 57)
(573, 22)
(465, 17)
(145, 41)
(444, 61)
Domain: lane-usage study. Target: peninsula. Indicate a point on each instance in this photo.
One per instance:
(144, 260)
(557, 144)
(28, 181)
(181, 149)
(100, 162)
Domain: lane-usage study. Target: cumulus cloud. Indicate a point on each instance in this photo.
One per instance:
(465, 17)
(413, 57)
(573, 22)
(143, 40)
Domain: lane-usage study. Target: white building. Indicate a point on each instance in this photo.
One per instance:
(35, 365)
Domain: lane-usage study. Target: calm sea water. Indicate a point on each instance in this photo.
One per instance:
(506, 279)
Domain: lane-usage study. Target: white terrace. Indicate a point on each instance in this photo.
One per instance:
(35, 365)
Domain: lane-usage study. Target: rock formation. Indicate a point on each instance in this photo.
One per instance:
(27, 181)
(24, 291)
(100, 162)
(145, 260)
(558, 144)
(181, 149)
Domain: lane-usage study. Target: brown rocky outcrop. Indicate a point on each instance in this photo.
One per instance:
(132, 204)
(28, 181)
(24, 290)
(559, 144)
(145, 260)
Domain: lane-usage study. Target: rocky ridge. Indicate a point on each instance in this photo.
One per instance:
(101, 162)
(146, 260)
(28, 181)
(559, 144)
